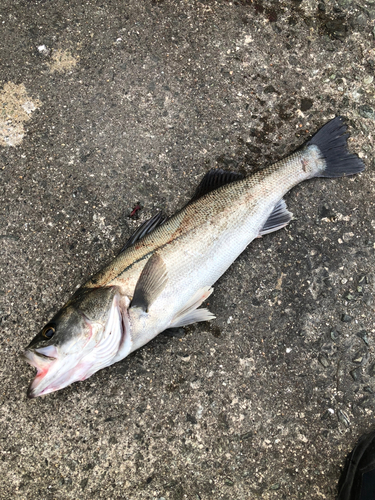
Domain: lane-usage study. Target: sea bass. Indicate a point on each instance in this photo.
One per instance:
(167, 268)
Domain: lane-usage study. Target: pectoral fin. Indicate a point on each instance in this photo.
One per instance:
(190, 312)
(150, 284)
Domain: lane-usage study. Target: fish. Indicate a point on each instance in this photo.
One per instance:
(167, 268)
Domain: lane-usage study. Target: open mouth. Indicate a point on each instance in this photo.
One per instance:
(42, 359)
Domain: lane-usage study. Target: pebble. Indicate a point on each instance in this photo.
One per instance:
(356, 374)
(358, 358)
(363, 335)
(334, 335)
(275, 486)
(345, 318)
(366, 112)
(343, 418)
(323, 360)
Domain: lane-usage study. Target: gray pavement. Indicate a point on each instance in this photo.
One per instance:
(106, 105)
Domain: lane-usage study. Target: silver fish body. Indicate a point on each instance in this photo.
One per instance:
(160, 279)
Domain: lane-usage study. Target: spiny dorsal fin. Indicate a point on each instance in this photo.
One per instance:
(150, 284)
(280, 217)
(213, 180)
(149, 225)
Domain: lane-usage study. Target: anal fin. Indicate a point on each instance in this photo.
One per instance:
(279, 218)
(190, 313)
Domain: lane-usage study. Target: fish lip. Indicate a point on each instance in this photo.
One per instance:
(29, 352)
(29, 356)
(44, 356)
(30, 392)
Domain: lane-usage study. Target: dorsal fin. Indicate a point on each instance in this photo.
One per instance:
(149, 225)
(213, 180)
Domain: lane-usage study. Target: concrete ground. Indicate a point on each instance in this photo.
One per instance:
(106, 105)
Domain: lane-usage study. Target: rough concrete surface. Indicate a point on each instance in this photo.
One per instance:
(110, 104)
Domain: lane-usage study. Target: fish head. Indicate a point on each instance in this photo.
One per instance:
(83, 337)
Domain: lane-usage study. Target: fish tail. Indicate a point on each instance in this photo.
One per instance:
(331, 140)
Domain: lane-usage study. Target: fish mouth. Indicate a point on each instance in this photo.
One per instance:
(42, 359)
(36, 357)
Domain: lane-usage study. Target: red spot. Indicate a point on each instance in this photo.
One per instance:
(41, 373)
(136, 207)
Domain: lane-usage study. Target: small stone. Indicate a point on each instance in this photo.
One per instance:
(356, 374)
(326, 414)
(343, 418)
(363, 335)
(334, 335)
(323, 360)
(361, 20)
(359, 356)
(275, 486)
(345, 318)
(366, 112)
(270, 89)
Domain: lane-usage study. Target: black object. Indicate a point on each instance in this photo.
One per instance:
(357, 481)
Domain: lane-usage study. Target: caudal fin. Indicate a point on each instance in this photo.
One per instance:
(332, 140)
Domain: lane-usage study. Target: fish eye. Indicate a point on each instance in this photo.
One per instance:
(48, 331)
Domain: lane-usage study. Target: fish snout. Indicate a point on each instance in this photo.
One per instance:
(42, 359)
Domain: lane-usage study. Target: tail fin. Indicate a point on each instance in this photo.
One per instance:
(332, 143)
